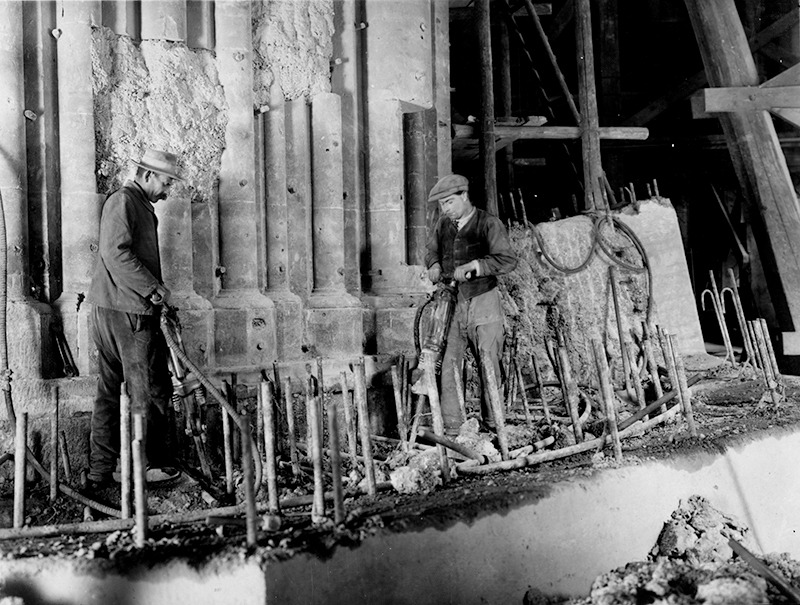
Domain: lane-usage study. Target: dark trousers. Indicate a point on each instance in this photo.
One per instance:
(130, 348)
(477, 323)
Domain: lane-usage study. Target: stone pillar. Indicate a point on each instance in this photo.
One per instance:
(346, 82)
(80, 202)
(27, 320)
(402, 70)
(288, 306)
(44, 238)
(298, 189)
(399, 46)
(334, 319)
(177, 267)
(121, 17)
(164, 20)
(200, 24)
(441, 87)
(245, 323)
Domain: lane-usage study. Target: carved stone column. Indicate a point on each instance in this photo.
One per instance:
(245, 322)
(80, 202)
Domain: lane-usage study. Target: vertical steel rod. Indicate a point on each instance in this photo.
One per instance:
(63, 451)
(770, 349)
(54, 445)
(291, 434)
(436, 413)
(540, 385)
(268, 413)
(525, 406)
(139, 482)
(360, 391)
(315, 447)
(336, 463)
(607, 392)
(249, 484)
(570, 389)
(650, 358)
(637, 382)
(349, 420)
(723, 326)
(737, 304)
(626, 368)
(228, 452)
(125, 462)
(402, 428)
(672, 370)
(682, 385)
(20, 449)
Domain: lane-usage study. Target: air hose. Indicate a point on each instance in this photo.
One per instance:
(598, 220)
(166, 329)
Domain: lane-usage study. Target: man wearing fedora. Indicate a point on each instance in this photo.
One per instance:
(126, 295)
(470, 246)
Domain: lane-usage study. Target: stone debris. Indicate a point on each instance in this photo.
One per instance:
(692, 563)
(469, 435)
(422, 474)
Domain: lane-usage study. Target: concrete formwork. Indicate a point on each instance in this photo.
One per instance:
(558, 543)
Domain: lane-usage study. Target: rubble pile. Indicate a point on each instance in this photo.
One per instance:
(691, 563)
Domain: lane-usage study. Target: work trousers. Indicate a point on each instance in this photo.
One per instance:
(130, 348)
(477, 323)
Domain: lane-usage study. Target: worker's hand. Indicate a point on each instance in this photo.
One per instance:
(161, 295)
(435, 272)
(467, 271)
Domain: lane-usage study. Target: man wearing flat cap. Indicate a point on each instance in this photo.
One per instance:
(470, 246)
(126, 295)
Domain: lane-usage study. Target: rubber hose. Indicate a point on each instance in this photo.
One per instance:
(417, 320)
(556, 266)
(645, 268)
(245, 429)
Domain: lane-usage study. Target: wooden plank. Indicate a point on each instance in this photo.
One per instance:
(749, 98)
(788, 77)
(487, 140)
(792, 116)
(587, 97)
(699, 80)
(541, 9)
(757, 157)
(561, 20)
(571, 132)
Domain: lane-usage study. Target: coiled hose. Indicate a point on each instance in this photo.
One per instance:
(599, 219)
(5, 378)
(166, 329)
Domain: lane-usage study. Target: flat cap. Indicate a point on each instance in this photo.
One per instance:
(448, 185)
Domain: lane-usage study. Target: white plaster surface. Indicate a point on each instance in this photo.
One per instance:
(561, 543)
(172, 584)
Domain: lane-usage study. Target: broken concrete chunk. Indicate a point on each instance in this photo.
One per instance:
(422, 473)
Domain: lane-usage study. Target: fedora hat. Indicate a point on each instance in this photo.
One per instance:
(162, 162)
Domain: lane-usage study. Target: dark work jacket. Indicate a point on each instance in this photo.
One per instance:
(483, 238)
(128, 266)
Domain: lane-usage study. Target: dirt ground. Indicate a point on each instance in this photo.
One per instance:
(729, 404)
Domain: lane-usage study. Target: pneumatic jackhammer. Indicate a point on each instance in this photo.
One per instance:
(435, 343)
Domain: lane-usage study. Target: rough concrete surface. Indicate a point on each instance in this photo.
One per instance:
(157, 94)
(293, 47)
